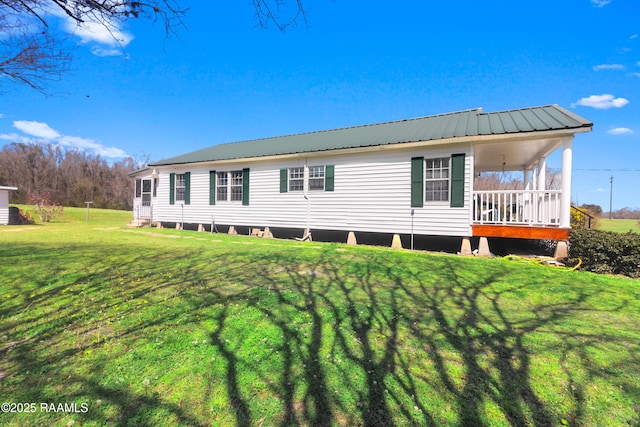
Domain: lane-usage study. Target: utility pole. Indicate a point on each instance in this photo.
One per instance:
(611, 198)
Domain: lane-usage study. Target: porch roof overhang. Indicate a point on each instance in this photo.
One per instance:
(518, 153)
(139, 172)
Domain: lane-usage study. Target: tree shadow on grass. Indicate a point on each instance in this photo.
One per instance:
(380, 340)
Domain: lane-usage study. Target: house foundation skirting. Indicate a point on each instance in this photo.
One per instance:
(449, 244)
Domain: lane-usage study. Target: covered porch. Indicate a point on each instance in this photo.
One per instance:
(532, 211)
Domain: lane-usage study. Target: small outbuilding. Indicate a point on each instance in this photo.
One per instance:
(4, 204)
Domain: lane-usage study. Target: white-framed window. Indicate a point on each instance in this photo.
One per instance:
(296, 179)
(236, 186)
(222, 186)
(316, 178)
(436, 176)
(180, 187)
(312, 178)
(229, 186)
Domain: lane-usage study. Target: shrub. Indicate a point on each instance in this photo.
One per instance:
(606, 251)
(580, 218)
(45, 207)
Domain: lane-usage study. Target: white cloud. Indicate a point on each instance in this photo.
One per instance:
(615, 67)
(1, 116)
(602, 102)
(635, 74)
(107, 34)
(620, 131)
(90, 144)
(600, 3)
(40, 132)
(601, 190)
(106, 38)
(14, 137)
(100, 51)
(37, 129)
(633, 36)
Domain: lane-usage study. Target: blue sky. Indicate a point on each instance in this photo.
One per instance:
(224, 79)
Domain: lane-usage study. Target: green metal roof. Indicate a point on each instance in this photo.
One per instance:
(442, 126)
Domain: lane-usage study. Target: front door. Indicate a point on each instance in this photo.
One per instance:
(145, 206)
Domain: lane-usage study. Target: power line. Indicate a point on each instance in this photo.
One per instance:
(608, 170)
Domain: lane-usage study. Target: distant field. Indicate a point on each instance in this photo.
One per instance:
(619, 225)
(177, 328)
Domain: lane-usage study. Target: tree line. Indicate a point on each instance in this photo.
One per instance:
(72, 177)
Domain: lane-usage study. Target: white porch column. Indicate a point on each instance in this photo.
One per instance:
(565, 197)
(542, 174)
(534, 177)
(527, 179)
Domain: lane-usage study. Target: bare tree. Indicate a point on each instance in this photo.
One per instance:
(71, 176)
(32, 54)
(27, 56)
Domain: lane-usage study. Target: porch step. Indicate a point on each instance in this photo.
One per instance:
(139, 223)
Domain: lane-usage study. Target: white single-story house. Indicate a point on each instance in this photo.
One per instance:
(411, 176)
(4, 204)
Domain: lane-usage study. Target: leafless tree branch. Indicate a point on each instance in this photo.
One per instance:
(31, 54)
(281, 13)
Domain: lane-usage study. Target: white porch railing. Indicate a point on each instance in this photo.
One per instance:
(141, 212)
(517, 207)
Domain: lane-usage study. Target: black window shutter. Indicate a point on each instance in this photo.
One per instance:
(245, 186)
(457, 180)
(172, 188)
(138, 187)
(212, 187)
(417, 182)
(329, 173)
(187, 188)
(284, 180)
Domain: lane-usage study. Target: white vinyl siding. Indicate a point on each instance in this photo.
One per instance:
(372, 194)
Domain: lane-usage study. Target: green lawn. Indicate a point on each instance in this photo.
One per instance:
(164, 327)
(619, 225)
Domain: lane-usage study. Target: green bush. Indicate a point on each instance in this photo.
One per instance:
(606, 251)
